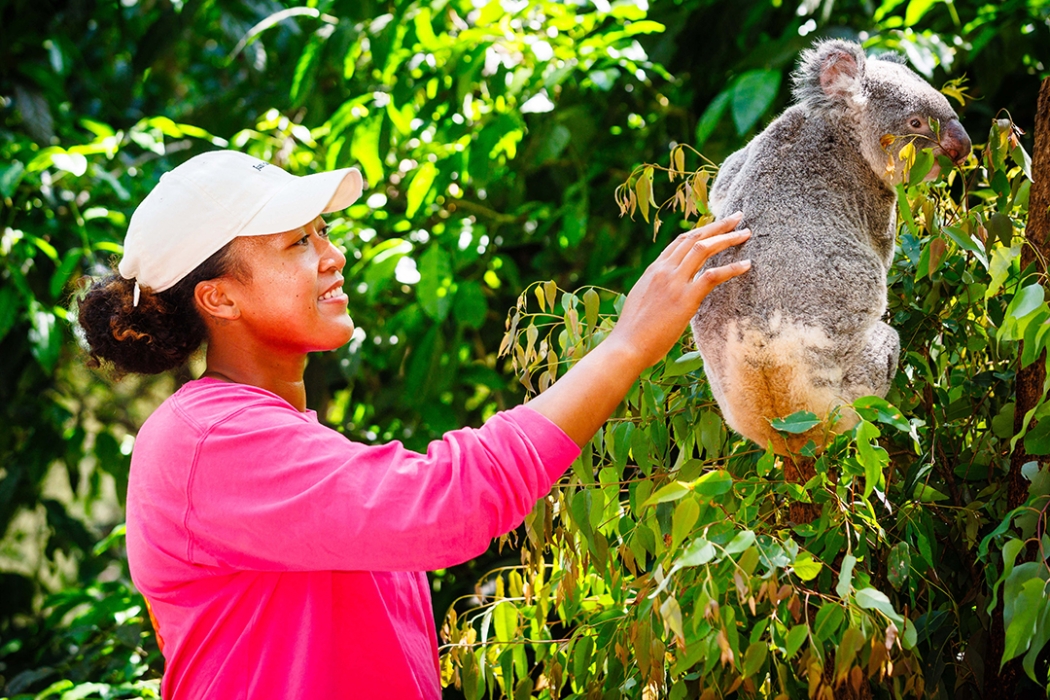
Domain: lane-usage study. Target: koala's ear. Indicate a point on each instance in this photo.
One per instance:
(840, 67)
(829, 73)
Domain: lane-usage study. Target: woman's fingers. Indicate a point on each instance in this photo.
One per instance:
(681, 245)
(698, 253)
(717, 275)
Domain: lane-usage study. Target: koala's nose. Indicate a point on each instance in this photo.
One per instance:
(955, 142)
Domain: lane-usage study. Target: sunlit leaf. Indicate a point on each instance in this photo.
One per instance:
(714, 483)
(419, 187)
(806, 567)
(796, 423)
(670, 492)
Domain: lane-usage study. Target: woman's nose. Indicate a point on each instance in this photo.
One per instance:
(332, 256)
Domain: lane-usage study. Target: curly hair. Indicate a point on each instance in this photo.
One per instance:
(157, 335)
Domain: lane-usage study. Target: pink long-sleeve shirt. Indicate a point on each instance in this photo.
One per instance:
(282, 560)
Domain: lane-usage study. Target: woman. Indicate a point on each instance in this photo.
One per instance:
(279, 559)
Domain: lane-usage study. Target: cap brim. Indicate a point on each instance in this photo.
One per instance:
(303, 199)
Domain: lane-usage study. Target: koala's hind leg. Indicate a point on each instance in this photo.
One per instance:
(875, 366)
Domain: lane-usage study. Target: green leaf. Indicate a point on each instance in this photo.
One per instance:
(591, 304)
(796, 423)
(795, 637)
(305, 66)
(965, 241)
(845, 582)
(829, 619)
(425, 30)
(1038, 641)
(643, 191)
(697, 553)
(853, 640)
(424, 366)
(45, 337)
(400, 118)
(505, 621)
(365, 149)
(419, 188)
(647, 26)
(688, 362)
(714, 483)
(740, 542)
(685, 516)
(899, 565)
(669, 492)
(61, 276)
(872, 457)
(873, 599)
(10, 175)
(928, 494)
(1026, 301)
(711, 116)
(470, 306)
(581, 657)
(1037, 439)
(999, 268)
(911, 635)
(875, 409)
(904, 207)
(806, 567)
(1023, 603)
(1022, 158)
(711, 433)
(916, 10)
(435, 283)
(753, 94)
(1035, 337)
(754, 658)
(924, 161)
(1000, 228)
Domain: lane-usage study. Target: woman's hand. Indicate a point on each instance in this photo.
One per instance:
(669, 292)
(654, 316)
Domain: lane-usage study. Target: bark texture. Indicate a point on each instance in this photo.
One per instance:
(1002, 684)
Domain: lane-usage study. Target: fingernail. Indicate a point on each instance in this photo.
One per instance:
(746, 264)
(736, 214)
(744, 232)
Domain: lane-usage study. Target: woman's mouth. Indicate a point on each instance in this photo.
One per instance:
(334, 293)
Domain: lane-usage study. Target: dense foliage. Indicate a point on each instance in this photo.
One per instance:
(493, 136)
(669, 563)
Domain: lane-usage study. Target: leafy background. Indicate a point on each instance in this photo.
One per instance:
(493, 136)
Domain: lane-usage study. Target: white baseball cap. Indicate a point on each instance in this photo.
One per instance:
(212, 198)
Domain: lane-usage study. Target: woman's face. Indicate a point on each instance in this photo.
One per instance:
(291, 298)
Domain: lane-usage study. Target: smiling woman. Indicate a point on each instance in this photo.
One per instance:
(277, 557)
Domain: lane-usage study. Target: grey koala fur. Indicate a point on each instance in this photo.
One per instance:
(802, 330)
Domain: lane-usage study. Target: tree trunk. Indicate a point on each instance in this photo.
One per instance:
(1029, 384)
(799, 470)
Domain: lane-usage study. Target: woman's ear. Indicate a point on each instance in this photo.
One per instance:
(213, 300)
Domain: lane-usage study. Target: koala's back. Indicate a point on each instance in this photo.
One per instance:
(785, 336)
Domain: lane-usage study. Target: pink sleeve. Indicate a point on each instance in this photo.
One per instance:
(274, 490)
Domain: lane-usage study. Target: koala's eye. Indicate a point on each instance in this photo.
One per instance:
(916, 123)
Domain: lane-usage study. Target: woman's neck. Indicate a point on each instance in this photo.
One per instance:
(281, 375)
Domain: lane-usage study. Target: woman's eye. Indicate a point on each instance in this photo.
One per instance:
(323, 231)
(304, 241)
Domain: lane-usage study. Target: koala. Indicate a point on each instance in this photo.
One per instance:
(802, 330)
